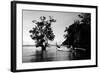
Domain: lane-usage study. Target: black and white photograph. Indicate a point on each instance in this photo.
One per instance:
(56, 36)
(47, 36)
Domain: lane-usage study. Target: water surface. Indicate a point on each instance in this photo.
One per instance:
(52, 53)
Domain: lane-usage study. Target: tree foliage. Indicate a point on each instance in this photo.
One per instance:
(42, 32)
(72, 32)
(78, 34)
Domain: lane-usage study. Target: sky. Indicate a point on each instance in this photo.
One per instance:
(63, 19)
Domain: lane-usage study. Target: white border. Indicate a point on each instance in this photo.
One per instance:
(35, 65)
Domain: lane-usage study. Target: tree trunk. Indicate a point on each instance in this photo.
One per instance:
(43, 48)
(43, 51)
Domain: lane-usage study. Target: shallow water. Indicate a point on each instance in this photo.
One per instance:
(52, 53)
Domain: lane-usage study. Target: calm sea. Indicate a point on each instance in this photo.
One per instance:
(52, 53)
